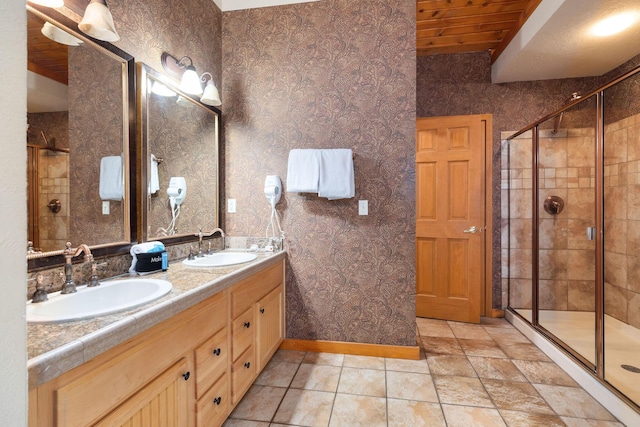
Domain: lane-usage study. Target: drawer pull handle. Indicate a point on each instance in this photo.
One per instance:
(186, 375)
(247, 324)
(247, 364)
(217, 400)
(262, 310)
(216, 352)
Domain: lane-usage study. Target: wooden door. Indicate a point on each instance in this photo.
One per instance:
(450, 217)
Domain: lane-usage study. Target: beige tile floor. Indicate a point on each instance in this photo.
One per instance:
(468, 375)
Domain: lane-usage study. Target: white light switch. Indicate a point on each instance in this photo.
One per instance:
(231, 205)
(363, 207)
(106, 209)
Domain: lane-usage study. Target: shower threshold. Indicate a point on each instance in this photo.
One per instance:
(621, 341)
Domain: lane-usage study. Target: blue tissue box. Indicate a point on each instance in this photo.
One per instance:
(152, 261)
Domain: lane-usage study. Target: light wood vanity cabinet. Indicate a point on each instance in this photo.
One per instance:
(257, 311)
(188, 371)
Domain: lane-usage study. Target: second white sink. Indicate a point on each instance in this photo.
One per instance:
(220, 259)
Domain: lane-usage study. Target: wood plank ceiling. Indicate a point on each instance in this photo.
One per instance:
(44, 56)
(455, 26)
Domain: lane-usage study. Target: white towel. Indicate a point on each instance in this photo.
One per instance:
(303, 171)
(336, 174)
(143, 248)
(111, 178)
(154, 181)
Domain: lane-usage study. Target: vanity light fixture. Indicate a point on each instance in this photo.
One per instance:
(97, 22)
(54, 33)
(186, 73)
(211, 95)
(48, 3)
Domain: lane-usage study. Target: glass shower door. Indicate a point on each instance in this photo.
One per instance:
(621, 213)
(566, 233)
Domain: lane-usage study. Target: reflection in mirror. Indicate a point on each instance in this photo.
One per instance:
(78, 101)
(180, 155)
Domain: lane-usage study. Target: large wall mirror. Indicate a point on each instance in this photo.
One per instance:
(179, 137)
(81, 110)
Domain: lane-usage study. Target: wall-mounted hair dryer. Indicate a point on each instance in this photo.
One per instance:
(273, 189)
(177, 190)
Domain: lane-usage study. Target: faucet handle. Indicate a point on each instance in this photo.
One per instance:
(40, 295)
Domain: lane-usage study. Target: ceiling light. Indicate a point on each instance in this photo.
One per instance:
(97, 22)
(614, 24)
(48, 3)
(56, 34)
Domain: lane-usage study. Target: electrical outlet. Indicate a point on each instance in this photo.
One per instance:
(106, 208)
(231, 205)
(363, 207)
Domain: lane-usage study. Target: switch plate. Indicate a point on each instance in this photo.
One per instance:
(363, 207)
(231, 205)
(106, 208)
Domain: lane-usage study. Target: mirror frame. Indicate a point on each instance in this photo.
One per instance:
(54, 258)
(144, 72)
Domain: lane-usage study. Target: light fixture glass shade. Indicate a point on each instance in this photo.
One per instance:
(211, 95)
(48, 3)
(162, 90)
(190, 82)
(58, 35)
(98, 22)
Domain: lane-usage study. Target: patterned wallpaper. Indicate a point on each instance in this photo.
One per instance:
(331, 74)
(459, 84)
(184, 135)
(95, 131)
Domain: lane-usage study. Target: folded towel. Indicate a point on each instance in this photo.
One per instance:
(336, 174)
(154, 181)
(303, 171)
(111, 178)
(143, 248)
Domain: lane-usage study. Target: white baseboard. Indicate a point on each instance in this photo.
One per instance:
(591, 385)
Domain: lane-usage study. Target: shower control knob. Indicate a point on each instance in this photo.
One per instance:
(472, 230)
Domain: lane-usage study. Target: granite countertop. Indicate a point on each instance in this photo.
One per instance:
(54, 349)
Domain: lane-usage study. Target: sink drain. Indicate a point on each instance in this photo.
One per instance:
(631, 368)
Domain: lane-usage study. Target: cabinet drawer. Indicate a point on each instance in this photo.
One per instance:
(213, 407)
(211, 361)
(248, 291)
(242, 333)
(242, 374)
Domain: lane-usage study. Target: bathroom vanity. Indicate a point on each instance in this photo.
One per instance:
(188, 358)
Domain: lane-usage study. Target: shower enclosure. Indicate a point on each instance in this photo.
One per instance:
(571, 230)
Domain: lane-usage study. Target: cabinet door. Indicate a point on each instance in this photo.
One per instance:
(163, 402)
(270, 319)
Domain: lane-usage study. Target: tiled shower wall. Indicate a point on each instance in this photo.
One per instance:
(53, 177)
(567, 258)
(566, 265)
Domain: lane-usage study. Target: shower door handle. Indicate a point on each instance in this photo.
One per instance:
(591, 233)
(473, 229)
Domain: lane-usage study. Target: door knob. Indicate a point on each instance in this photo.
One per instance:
(473, 229)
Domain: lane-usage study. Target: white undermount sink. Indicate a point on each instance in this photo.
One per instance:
(110, 297)
(220, 259)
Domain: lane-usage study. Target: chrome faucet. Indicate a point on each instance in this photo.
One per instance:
(69, 253)
(200, 235)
